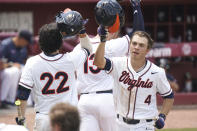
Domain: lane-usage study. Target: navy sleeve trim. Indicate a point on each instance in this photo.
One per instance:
(23, 93)
(171, 96)
(108, 64)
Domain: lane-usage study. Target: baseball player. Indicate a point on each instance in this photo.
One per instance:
(136, 83)
(95, 86)
(13, 54)
(51, 75)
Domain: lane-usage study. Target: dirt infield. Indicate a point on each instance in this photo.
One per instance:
(179, 117)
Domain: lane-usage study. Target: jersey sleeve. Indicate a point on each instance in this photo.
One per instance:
(163, 86)
(78, 57)
(26, 79)
(111, 64)
(117, 47)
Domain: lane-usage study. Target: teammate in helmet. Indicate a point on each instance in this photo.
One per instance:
(70, 23)
(95, 86)
(108, 13)
(51, 75)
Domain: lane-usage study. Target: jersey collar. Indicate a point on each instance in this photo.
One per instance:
(140, 73)
(51, 58)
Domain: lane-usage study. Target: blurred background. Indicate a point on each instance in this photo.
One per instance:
(171, 23)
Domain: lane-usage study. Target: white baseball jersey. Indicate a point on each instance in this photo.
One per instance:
(52, 79)
(138, 102)
(90, 78)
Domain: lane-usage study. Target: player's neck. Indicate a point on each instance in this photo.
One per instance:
(52, 54)
(138, 65)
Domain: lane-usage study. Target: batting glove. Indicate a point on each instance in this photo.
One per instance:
(20, 121)
(160, 122)
(102, 33)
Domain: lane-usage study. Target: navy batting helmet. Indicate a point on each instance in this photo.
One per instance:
(70, 22)
(106, 12)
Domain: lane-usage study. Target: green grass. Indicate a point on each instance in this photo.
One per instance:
(183, 129)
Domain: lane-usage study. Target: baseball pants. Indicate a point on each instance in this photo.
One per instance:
(9, 81)
(42, 122)
(97, 112)
(143, 125)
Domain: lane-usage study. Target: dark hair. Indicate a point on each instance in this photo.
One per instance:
(50, 39)
(25, 34)
(65, 116)
(146, 35)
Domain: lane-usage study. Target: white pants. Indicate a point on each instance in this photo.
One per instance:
(9, 83)
(42, 123)
(141, 126)
(97, 112)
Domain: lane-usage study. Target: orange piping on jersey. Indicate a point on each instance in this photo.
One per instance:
(115, 27)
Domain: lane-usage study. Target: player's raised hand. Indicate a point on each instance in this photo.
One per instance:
(102, 31)
(160, 122)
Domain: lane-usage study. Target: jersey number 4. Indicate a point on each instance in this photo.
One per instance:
(148, 100)
(60, 88)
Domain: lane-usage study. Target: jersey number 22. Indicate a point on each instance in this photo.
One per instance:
(60, 88)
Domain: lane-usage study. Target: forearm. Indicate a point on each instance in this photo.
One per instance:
(138, 20)
(85, 42)
(167, 105)
(99, 60)
(21, 109)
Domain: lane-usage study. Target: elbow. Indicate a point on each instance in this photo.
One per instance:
(99, 64)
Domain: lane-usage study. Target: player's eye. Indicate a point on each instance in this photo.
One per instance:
(134, 43)
(141, 45)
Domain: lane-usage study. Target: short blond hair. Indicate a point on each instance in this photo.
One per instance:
(146, 35)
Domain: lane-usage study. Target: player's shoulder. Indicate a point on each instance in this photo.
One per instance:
(33, 59)
(123, 38)
(119, 59)
(156, 68)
